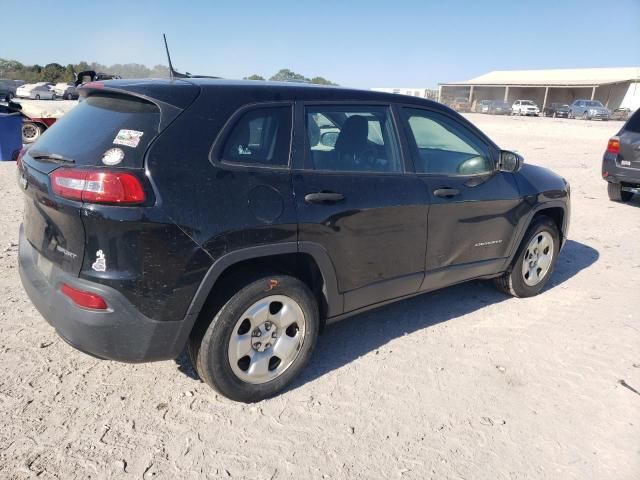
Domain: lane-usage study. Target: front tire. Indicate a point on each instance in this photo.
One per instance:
(260, 339)
(535, 260)
(616, 194)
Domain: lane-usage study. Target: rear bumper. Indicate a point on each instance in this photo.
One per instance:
(616, 173)
(120, 333)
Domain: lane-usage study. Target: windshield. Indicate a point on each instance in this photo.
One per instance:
(527, 102)
(594, 104)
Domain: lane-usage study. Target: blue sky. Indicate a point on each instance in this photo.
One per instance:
(354, 43)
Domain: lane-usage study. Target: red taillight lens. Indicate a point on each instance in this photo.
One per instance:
(84, 299)
(97, 186)
(23, 150)
(614, 145)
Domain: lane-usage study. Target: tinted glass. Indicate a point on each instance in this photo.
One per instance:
(633, 124)
(444, 146)
(351, 138)
(261, 136)
(100, 123)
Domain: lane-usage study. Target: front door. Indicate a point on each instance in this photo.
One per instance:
(355, 200)
(474, 208)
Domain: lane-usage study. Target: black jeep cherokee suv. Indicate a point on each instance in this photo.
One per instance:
(237, 218)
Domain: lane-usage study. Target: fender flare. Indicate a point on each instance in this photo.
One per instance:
(529, 218)
(316, 251)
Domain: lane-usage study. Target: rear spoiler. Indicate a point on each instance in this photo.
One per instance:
(170, 102)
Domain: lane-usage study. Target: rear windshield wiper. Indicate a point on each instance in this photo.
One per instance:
(49, 157)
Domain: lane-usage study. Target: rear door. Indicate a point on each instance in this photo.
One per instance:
(629, 156)
(356, 200)
(474, 208)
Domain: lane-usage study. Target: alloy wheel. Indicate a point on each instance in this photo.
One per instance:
(537, 258)
(266, 339)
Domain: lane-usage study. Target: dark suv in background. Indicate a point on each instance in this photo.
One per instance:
(621, 161)
(238, 218)
(556, 110)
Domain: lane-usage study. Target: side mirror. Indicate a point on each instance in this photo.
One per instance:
(510, 161)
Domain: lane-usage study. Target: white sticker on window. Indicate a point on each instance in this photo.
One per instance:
(129, 138)
(100, 265)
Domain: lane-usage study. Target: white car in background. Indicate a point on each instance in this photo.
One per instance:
(525, 107)
(66, 91)
(36, 91)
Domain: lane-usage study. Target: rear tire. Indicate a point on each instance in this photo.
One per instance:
(534, 261)
(215, 348)
(616, 194)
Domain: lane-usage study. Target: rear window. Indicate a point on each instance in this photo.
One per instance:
(101, 123)
(633, 124)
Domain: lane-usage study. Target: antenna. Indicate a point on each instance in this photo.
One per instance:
(172, 73)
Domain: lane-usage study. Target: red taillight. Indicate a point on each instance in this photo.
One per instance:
(23, 150)
(84, 299)
(97, 186)
(614, 145)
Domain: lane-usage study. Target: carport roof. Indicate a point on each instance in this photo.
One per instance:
(559, 77)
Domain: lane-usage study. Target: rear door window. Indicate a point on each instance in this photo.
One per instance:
(351, 138)
(101, 123)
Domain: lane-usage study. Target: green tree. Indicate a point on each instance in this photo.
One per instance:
(254, 77)
(322, 81)
(159, 71)
(53, 72)
(285, 75)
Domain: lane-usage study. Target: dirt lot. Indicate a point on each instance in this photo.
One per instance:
(464, 383)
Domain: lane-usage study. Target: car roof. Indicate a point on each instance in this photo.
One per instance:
(262, 90)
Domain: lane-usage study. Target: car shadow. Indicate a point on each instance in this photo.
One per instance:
(345, 341)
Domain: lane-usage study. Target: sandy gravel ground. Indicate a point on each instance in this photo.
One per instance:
(463, 383)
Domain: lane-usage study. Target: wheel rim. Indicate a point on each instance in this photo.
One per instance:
(30, 132)
(537, 258)
(266, 339)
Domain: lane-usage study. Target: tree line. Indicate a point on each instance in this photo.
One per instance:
(55, 72)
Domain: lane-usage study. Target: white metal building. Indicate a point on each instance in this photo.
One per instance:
(614, 87)
(421, 92)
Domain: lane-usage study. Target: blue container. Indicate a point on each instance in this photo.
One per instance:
(10, 135)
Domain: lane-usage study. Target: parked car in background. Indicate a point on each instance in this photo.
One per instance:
(483, 106)
(66, 91)
(460, 104)
(525, 107)
(499, 107)
(36, 91)
(556, 110)
(621, 161)
(588, 110)
(124, 256)
(7, 89)
(620, 114)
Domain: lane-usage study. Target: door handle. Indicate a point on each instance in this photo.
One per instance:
(446, 192)
(323, 197)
